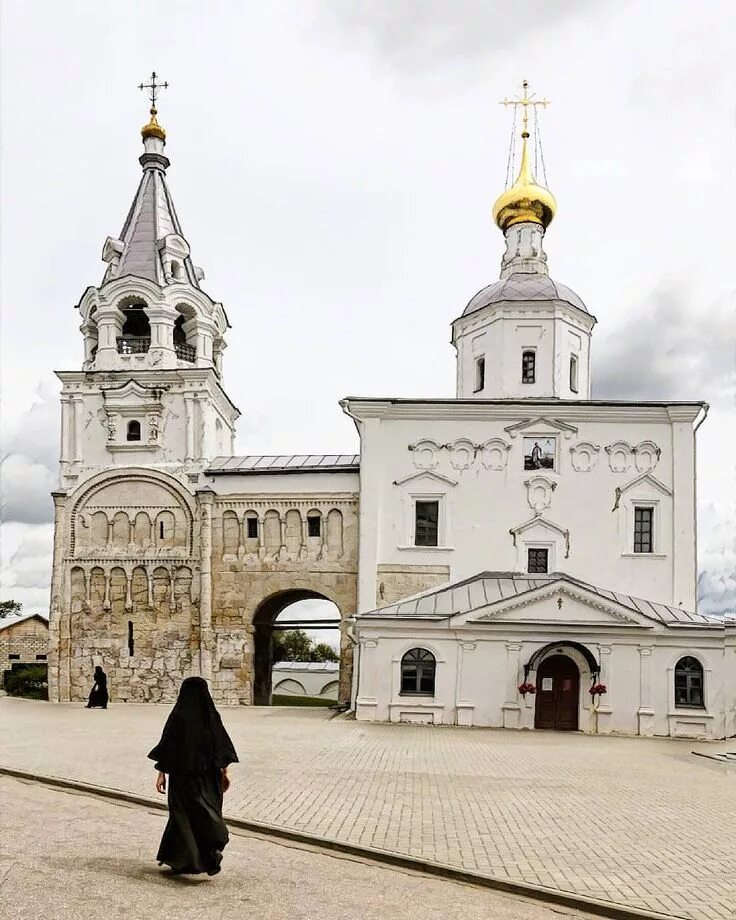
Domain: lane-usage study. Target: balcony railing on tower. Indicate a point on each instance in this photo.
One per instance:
(186, 353)
(133, 344)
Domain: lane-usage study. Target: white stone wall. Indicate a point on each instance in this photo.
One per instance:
(501, 333)
(479, 671)
(470, 458)
(299, 678)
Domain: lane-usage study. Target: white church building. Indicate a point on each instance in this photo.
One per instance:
(519, 556)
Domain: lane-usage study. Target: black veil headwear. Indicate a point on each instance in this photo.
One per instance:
(194, 739)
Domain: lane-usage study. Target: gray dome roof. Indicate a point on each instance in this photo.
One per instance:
(524, 287)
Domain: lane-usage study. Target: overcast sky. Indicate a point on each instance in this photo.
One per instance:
(334, 163)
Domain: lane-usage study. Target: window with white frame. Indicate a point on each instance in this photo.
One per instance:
(537, 560)
(426, 522)
(643, 529)
(689, 683)
(528, 366)
(418, 670)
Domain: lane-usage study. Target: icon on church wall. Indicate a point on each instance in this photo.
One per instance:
(539, 453)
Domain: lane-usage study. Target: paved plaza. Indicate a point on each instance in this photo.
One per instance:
(95, 859)
(640, 822)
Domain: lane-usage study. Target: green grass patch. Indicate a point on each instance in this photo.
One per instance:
(280, 699)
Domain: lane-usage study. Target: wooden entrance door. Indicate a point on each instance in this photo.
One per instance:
(558, 694)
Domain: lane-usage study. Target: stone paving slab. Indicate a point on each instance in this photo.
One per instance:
(76, 858)
(639, 822)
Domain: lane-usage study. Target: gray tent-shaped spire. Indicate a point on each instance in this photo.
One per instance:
(151, 244)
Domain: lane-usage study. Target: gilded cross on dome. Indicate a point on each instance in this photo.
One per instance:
(153, 128)
(525, 101)
(153, 87)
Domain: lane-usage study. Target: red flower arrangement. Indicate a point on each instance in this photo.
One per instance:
(598, 689)
(526, 688)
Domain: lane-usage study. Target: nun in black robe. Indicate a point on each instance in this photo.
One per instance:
(98, 696)
(194, 752)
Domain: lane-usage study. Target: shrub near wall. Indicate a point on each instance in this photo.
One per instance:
(29, 681)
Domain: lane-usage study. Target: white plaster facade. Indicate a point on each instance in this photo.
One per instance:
(539, 490)
(173, 557)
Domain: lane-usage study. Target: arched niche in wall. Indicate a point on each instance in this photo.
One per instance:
(293, 533)
(142, 530)
(78, 586)
(139, 588)
(272, 532)
(335, 534)
(118, 591)
(230, 533)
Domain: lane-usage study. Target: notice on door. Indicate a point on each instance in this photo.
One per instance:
(546, 683)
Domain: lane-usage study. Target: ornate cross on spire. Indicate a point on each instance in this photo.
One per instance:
(153, 87)
(525, 102)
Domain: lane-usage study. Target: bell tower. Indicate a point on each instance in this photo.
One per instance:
(150, 390)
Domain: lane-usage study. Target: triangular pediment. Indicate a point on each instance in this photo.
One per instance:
(646, 479)
(425, 476)
(561, 604)
(540, 425)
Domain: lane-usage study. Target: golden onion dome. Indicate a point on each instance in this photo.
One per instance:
(525, 200)
(153, 128)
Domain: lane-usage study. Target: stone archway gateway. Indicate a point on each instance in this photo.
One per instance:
(264, 625)
(558, 694)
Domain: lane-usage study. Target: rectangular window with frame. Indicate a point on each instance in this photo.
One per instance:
(251, 528)
(537, 561)
(426, 523)
(480, 374)
(314, 528)
(643, 530)
(528, 366)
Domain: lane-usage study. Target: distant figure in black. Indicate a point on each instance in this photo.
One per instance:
(194, 751)
(98, 695)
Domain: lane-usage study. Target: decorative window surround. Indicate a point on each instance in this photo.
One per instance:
(426, 474)
(539, 491)
(584, 456)
(539, 521)
(539, 425)
(409, 500)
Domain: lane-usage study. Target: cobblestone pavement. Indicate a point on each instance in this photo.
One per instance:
(640, 822)
(76, 858)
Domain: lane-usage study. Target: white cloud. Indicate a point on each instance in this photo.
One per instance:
(25, 564)
(337, 186)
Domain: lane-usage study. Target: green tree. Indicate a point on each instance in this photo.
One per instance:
(323, 652)
(291, 645)
(9, 607)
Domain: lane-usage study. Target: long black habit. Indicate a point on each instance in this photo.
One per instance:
(98, 696)
(193, 750)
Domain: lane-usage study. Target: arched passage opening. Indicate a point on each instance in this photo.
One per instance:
(283, 611)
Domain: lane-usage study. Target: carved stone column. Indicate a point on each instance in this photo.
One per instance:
(77, 404)
(206, 499)
(58, 609)
(511, 708)
(189, 424)
(646, 711)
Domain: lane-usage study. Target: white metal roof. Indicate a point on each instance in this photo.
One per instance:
(285, 463)
(488, 588)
